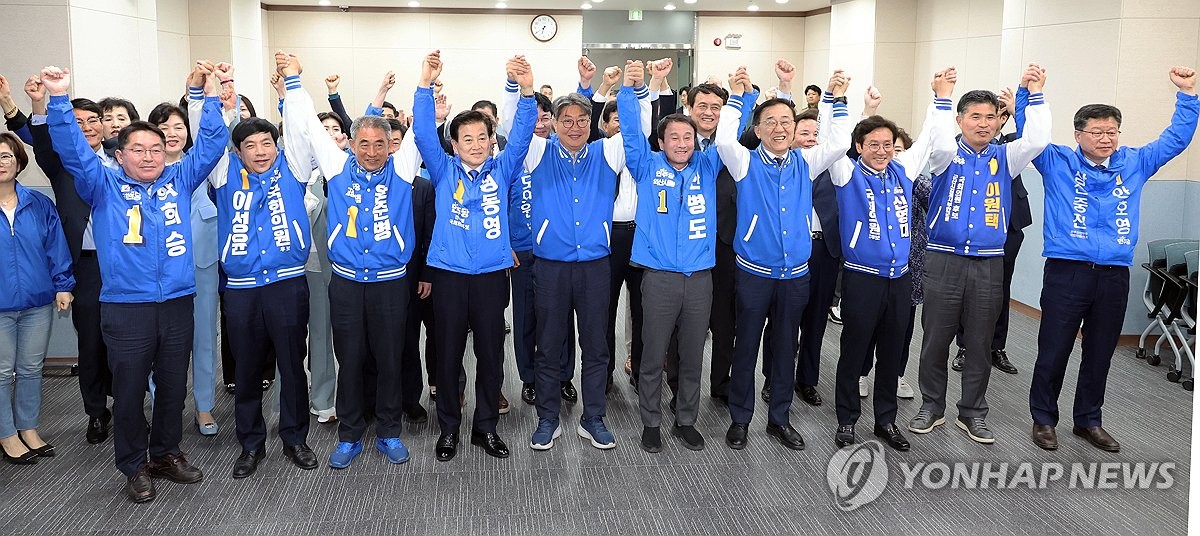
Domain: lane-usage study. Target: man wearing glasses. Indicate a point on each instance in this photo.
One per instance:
(1093, 194)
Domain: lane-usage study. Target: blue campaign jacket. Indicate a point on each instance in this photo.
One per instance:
(676, 209)
(520, 213)
(35, 263)
(470, 234)
(875, 209)
(142, 231)
(774, 199)
(262, 227)
(971, 198)
(370, 214)
(1092, 214)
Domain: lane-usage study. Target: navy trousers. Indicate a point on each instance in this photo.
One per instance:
(525, 323)
(143, 338)
(366, 319)
(475, 301)
(419, 312)
(823, 271)
(1077, 293)
(559, 289)
(271, 316)
(783, 300)
(875, 313)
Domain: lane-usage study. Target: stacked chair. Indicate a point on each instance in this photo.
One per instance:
(1170, 300)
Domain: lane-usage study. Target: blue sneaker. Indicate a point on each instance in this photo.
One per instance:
(394, 449)
(344, 454)
(593, 430)
(547, 431)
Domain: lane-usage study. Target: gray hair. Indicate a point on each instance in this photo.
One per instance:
(572, 99)
(371, 121)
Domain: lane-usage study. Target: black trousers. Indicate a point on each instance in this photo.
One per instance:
(620, 271)
(144, 338)
(229, 365)
(1076, 294)
(875, 314)
(723, 319)
(559, 288)
(478, 302)
(904, 347)
(366, 319)
(271, 316)
(420, 311)
(823, 271)
(95, 378)
(525, 323)
(1012, 246)
(782, 300)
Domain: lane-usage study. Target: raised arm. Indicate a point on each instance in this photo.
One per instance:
(1178, 135)
(1036, 133)
(304, 137)
(823, 155)
(735, 157)
(935, 144)
(67, 139)
(511, 160)
(335, 100)
(211, 140)
(424, 129)
(637, 147)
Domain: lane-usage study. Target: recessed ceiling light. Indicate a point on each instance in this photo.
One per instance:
(781, 1)
(501, 5)
(752, 7)
(323, 3)
(597, 1)
(689, 1)
(586, 6)
(414, 3)
(669, 7)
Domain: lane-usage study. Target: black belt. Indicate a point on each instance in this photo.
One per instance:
(626, 225)
(87, 253)
(818, 235)
(1091, 265)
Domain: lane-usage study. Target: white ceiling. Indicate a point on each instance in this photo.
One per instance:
(647, 5)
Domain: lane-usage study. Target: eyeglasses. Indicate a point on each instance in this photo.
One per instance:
(875, 147)
(1097, 134)
(91, 122)
(770, 124)
(139, 153)
(572, 123)
(7, 159)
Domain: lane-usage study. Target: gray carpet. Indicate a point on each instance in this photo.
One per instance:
(576, 489)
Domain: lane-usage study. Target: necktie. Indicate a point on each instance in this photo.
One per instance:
(704, 143)
(779, 161)
(473, 174)
(1101, 167)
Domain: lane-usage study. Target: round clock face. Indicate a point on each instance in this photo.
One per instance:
(543, 27)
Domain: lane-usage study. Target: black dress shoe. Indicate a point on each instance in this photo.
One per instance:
(230, 387)
(176, 468)
(1098, 437)
(140, 487)
(97, 430)
(491, 443)
(416, 413)
(568, 392)
(809, 395)
(786, 435)
(1001, 362)
(266, 385)
(447, 447)
(960, 360)
(247, 463)
(890, 433)
(1044, 436)
(301, 456)
(766, 393)
(844, 435)
(735, 438)
(528, 393)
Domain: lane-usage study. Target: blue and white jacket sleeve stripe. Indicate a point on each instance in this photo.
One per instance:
(195, 93)
(942, 104)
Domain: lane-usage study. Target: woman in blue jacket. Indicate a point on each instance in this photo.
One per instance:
(35, 274)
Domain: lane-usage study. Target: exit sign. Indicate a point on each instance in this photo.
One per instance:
(635, 14)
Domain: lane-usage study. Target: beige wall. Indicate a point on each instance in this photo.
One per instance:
(764, 40)
(361, 47)
(964, 34)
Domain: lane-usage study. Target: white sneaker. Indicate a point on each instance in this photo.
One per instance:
(863, 387)
(324, 415)
(903, 389)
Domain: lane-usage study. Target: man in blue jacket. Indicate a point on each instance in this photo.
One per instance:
(470, 250)
(1093, 197)
(140, 222)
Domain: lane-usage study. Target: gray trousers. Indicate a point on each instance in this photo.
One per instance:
(321, 368)
(964, 291)
(672, 300)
